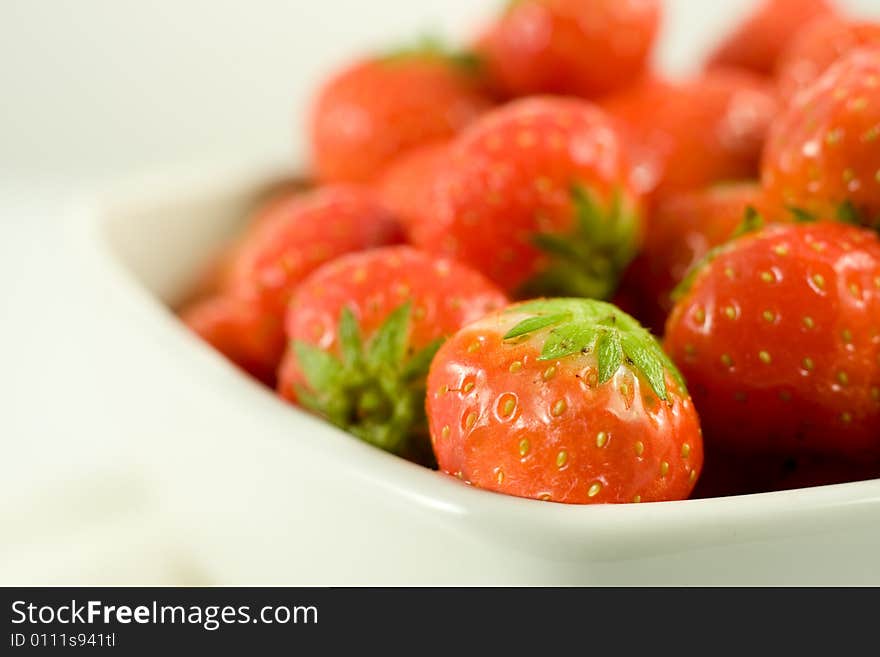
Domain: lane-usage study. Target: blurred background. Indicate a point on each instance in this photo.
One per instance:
(99, 90)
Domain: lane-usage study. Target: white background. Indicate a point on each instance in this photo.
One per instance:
(92, 90)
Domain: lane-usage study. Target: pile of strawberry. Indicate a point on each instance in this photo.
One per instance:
(446, 289)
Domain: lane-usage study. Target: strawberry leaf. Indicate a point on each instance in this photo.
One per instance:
(646, 362)
(752, 222)
(389, 343)
(375, 389)
(350, 342)
(589, 260)
(609, 353)
(848, 214)
(432, 46)
(801, 216)
(533, 324)
(567, 340)
(418, 365)
(584, 326)
(557, 245)
(661, 357)
(321, 370)
(589, 218)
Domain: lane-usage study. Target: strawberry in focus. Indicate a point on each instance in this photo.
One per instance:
(362, 332)
(817, 46)
(535, 195)
(823, 153)
(563, 400)
(380, 108)
(690, 134)
(779, 339)
(573, 47)
(759, 42)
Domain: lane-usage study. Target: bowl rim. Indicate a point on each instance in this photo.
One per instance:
(597, 528)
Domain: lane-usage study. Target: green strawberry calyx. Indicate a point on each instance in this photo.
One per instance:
(432, 47)
(844, 212)
(374, 389)
(584, 326)
(589, 261)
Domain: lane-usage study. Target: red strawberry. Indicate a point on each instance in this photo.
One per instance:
(758, 43)
(296, 236)
(779, 340)
(681, 230)
(691, 134)
(578, 47)
(379, 108)
(823, 154)
(288, 240)
(363, 330)
(535, 195)
(406, 182)
(239, 331)
(565, 400)
(818, 46)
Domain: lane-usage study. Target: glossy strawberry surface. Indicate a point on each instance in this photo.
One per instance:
(689, 134)
(405, 185)
(536, 196)
(759, 41)
(779, 340)
(823, 153)
(577, 47)
(817, 46)
(296, 236)
(681, 229)
(376, 110)
(563, 400)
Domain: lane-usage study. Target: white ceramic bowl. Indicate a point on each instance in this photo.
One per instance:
(265, 494)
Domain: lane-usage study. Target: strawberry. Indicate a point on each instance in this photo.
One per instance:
(239, 331)
(215, 278)
(758, 42)
(379, 108)
(690, 134)
(293, 237)
(535, 195)
(823, 153)
(564, 400)
(573, 47)
(681, 231)
(406, 182)
(818, 46)
(779, 340)
(363, 330)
